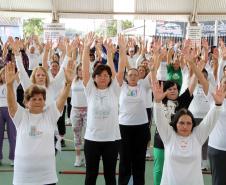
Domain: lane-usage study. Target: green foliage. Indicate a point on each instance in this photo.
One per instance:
(33, 27)
(126, 24)
(112, 27)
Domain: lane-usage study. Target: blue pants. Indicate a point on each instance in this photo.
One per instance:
(11, 131)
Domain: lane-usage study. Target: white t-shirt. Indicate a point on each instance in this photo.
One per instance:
(133, 61)
(182, 163)
(132, 106)
(33, 60)
(200, 104)
(146, 83)
(3, 90)
(102, 115)
(162, 71)
(217, 138)
(34, 162)
(186, 79)
(78, 97)
(54, 87)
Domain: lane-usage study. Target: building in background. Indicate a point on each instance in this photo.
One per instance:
(10, 27)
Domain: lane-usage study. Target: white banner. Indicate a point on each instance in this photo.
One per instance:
(53, 31)
(194, 33)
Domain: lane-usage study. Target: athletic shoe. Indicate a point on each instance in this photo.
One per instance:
(79, 162)
(12, 163)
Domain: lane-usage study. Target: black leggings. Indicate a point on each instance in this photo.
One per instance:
(61, 123)
(133, 153)
(109, 153)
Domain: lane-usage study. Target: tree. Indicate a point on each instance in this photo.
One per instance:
(126, 24)
(112, 27)
(33, 27)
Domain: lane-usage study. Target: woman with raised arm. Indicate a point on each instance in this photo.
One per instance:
(35, 125)
(102, 131)
(172, 103)
(78, 114)
(134, 126)
(217, 144)
(183, 139)
(5, 118)
(39, 77)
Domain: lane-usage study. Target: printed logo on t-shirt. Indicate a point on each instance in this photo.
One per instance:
(175, 76)
(102, 106)
(3, 92)
(184, 145)
(34, 131)
(169, 109)
(132, 92)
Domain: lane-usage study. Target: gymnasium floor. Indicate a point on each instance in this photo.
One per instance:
(65, 162)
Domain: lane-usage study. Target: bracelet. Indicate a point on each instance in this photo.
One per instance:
(218, 104)
(68, 83)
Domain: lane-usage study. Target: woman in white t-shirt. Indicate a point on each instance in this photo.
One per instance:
(5, 118)
(183, 140)
(78, 114)
(102, 131)
(134, 128)
(35, 154)
(39, 76)
(217, 145)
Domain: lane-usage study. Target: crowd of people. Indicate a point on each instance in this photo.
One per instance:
(111, 93)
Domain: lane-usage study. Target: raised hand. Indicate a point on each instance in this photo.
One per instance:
(109, 46)
(157, 45)
(49, 45)
(70, 71)
(189, 55)
(219, 94)
(215, 54)
(89, 39)
(205, 44)
(187, 44)
(10, 73)
(17, 46)
(61, 45)
(122, 42)
(170, 44)
(157, 90)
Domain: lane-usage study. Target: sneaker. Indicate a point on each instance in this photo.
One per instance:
(68, 121)
(204, 165)
(148, 154)
(12, 163)
(79, 162)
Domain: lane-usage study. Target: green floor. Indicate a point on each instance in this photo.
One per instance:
(65, 162)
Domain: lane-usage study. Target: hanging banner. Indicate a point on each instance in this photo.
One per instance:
(53, 31)
(194, 33)
(170, 29)
(221, 28)
(207, 28)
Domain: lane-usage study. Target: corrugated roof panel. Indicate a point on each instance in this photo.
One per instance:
(208, 6)
(26, 4)
(147, 9)
(86, 5)
(163, 6)
(10, 21)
